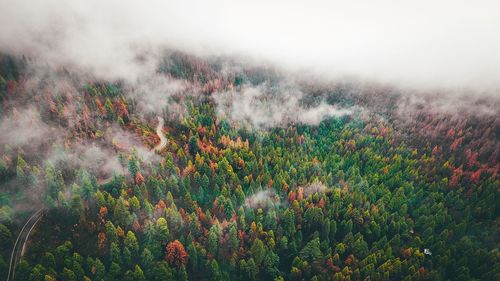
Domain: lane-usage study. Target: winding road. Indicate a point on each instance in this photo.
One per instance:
(161, 135)
(20, 244)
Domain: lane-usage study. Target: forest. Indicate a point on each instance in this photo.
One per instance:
(248, 182)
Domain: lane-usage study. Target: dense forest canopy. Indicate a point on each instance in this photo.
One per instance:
(262, 176)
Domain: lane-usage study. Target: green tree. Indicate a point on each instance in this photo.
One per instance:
(234, 242)
(131, 243)
(213, 240)
(258, 251)
(121, 214)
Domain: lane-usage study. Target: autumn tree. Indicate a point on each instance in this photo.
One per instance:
(176, 254)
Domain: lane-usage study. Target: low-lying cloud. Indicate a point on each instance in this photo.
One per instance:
(420, 44)
(315, 187)
(267, 106)
(129, 143)
(262, 199)
(156, 94)
(24, 127)
(97, 160)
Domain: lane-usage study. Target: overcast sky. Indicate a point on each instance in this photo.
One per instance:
(412, 43)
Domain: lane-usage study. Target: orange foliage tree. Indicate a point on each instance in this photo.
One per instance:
(176, 254)
(139, 178)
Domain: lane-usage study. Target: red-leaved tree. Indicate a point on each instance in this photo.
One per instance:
(176, 254)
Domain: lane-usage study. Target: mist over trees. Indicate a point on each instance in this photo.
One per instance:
(345, 181)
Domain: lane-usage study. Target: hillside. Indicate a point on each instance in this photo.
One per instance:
(212, 169)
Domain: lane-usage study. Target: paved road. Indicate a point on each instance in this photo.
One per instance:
(20, 244)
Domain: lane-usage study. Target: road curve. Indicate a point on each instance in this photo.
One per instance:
(161, 135)
(22, 238)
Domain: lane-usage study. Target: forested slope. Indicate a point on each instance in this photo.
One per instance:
(380, 188)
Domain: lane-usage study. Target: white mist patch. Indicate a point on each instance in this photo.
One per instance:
(97, 160)
(313, 188)
(262, 199)
(25, 127)
(267, 107)
(131, 144)
(313, 116)
(445, 103)
(154, 95)
(100, 160)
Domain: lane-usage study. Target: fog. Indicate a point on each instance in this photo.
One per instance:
(262, 199)
(418, 44)
(29, 128)
(269, 107)
(439, 55)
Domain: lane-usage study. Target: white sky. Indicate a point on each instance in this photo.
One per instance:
(412, 43)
